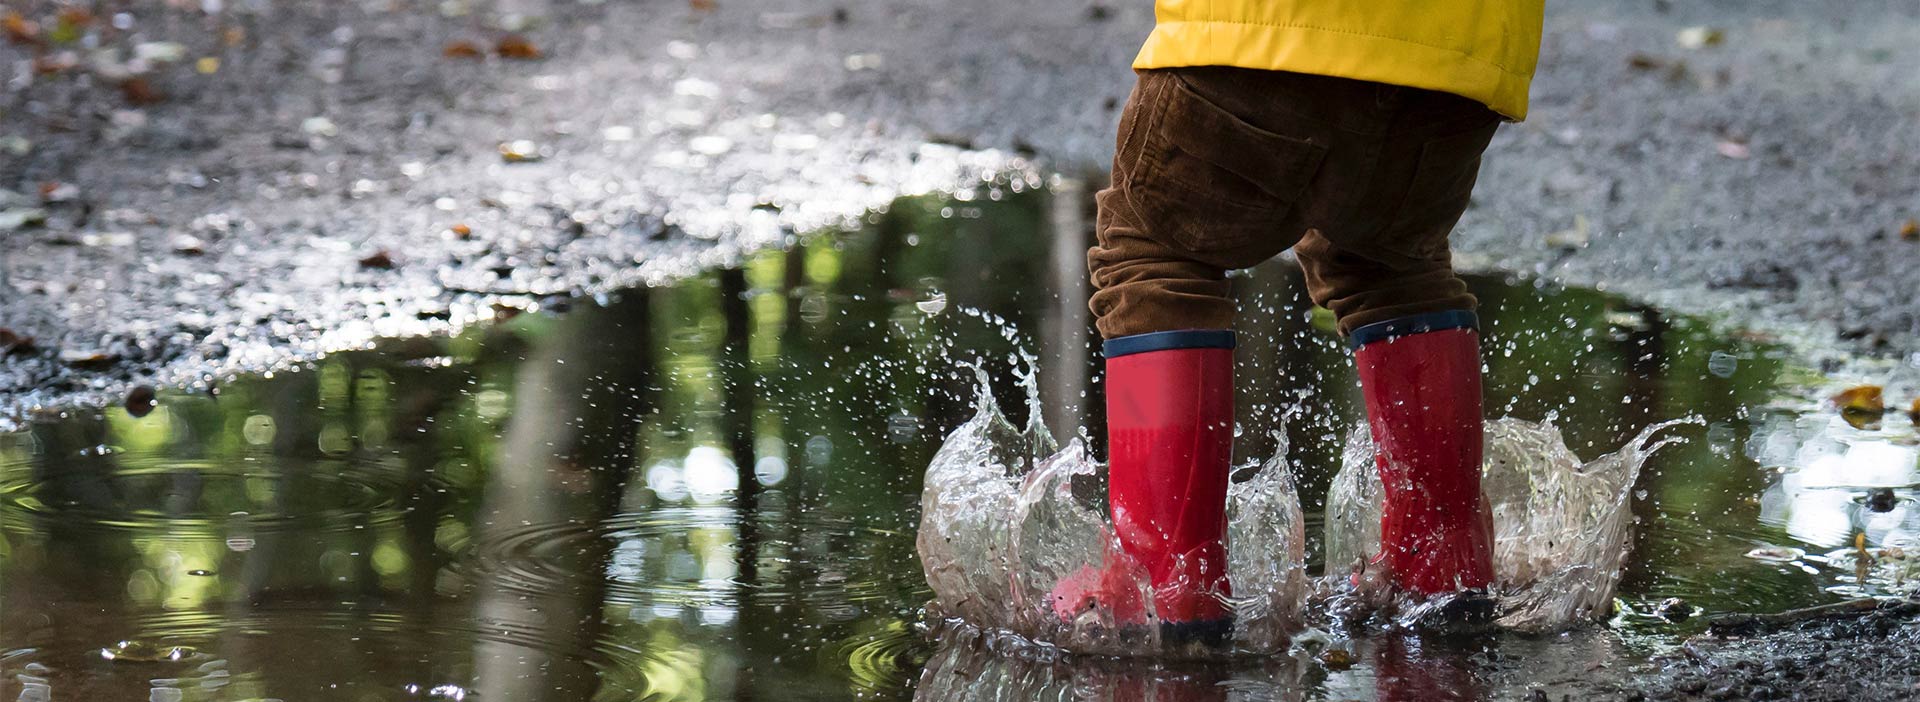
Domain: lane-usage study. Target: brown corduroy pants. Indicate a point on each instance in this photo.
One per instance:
(1220, 168)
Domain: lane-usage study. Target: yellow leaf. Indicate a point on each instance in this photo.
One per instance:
(1861, 405)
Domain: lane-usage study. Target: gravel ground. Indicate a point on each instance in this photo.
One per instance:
(1856, 656)
(337, 176)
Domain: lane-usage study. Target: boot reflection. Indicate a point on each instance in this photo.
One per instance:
(1417, 669)
(966, 671)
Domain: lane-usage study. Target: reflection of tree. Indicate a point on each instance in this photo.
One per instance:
(737, 390)
(569, 447)
(1066, 353)
(1643, 348)
(75, 477)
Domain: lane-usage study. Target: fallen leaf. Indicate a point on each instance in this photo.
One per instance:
(141, 401)
(207, 65)
(1860, 406)
(187, 245)
(380, 260)
(319, 126)
(19, 29)
(87, 359)
(702, 5)
(233, 36)
(1575, 238)
(14, 342)
(139, 92)
(22, 218)
(461, 230)
(1645, 62)
(57, 62)
(1863, 398)
(56, 191)
(519, 151)
(1911, 230)
(1732, 149)
(75, 17)
(1700, 37)
(463, 50)
(160, 52)
(1914, 413)
(514, 46)
(70, 25)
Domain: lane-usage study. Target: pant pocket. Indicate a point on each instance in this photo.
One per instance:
(1441, 187)
(1209, 182)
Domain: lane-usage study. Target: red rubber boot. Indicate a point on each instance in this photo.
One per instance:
(1421, 379)
(1170, 438)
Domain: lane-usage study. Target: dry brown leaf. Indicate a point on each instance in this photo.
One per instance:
(514, 46)
(139, 92)
(461, 230)
(463, 50)
(1913, 414)
(75, 17)
(378, 260)
(14, 342)
(56, 62)
(1644, 62)
(702, 5)
(19, 29)
(1862, 399)
(1910, 231)
(87, 359)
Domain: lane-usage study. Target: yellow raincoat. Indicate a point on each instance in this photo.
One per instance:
(1481, 49)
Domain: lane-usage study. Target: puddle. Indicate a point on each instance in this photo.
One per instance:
(710, 491)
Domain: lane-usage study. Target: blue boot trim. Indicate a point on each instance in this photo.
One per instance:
(1406, 326)
(1162, 341)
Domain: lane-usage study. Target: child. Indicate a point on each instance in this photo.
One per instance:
(1350, 132)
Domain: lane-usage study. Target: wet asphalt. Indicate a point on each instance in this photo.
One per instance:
(338, 176)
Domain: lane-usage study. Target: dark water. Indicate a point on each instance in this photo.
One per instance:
(708, 491)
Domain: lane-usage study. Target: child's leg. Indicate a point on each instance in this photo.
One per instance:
(1197, 190)
(1410, 322)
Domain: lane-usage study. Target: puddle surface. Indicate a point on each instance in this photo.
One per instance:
(710, 491)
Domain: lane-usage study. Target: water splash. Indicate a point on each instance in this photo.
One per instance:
(1561, 525)
(1007, 514)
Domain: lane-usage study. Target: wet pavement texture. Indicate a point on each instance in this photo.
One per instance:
(708, 490)
(290, 178)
